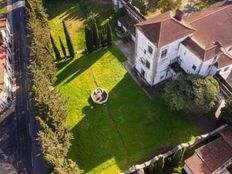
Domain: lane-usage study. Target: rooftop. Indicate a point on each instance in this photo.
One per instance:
(213, 155)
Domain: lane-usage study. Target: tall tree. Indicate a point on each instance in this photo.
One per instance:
(166, 5)
(96, 40)
(140, 5)
(88, 39)
(102, 40)
(109, 34)
(63, 48)
(69, 41)
(191, 92)
(55, 49)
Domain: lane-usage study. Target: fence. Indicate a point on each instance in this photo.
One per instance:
(188, 145)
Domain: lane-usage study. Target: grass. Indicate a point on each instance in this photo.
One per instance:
(112, 137)
(70, 12)
(3, 7)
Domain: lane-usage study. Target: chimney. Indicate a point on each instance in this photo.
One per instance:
(178, 15)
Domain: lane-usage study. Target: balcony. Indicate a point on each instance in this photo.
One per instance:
(176, 70)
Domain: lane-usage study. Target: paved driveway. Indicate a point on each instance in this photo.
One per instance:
(127, 48)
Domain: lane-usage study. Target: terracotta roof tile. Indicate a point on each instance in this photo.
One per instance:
(223, 60)
(164, 29)
(199, 51)
(196, 165)
(215, 153)
(227, 135)
(213, 24)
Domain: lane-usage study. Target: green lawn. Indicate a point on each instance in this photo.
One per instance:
(112, 137)
(70, 12)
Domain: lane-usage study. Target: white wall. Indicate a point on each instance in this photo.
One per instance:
(163, 63)
(206, 67)
(225, 71)
(141, 46)
(188, 59)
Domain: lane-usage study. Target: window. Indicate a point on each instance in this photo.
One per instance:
(150, 50)
(142, 72)
(145, 51)
(161, 77)
(142, 60)
(164, 53)
(194, 67)
(148, 64)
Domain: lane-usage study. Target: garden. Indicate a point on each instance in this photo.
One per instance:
(130, 127)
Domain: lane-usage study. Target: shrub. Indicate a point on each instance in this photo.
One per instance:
(68, 41)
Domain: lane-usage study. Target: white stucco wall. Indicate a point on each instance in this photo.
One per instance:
(142, 52)
(163, 63)
(225, 71)
(188, 59)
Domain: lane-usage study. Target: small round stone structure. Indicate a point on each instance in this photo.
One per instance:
(99, 96)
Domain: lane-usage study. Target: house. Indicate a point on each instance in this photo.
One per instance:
(212, 158)
(6, 72)
(170, 44)
(126, 23)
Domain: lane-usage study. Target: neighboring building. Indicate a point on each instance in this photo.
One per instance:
(126, 23)
(6, 72)
(171, 44)
(212, 158)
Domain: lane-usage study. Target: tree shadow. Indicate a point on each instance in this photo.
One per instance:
(77, 66)
(70, 8)
(125, 130)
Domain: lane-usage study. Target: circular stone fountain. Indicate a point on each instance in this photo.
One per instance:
(99, 96)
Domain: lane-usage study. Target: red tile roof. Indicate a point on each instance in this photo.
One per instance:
(196, 165)
(206, 27)
(223, 60)
(164, 29)
(213, 155)
(227, 135)
(198, 50)
(213, 24)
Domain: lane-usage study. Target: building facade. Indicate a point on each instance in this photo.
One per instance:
(6, 71)
(172, 44)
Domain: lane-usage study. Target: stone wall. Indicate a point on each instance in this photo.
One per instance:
(187, 145)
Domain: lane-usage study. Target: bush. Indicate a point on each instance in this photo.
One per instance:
(160, 163)
(226, 113)
(54, 136)
(197, 94)
(68, 41)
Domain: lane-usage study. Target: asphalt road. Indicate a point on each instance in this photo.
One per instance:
(19, 139)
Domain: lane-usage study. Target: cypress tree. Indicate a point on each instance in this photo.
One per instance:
(109, 34)
(160, 163)
(55, 49)
(178, 156)
(89, 39)
(102, 39)
(63, 48)
(69, 42)
(96, 41)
